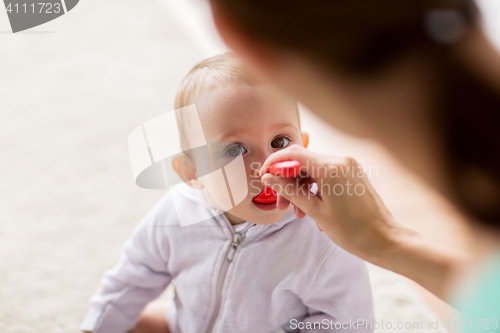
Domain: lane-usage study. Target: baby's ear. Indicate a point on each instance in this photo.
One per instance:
(305, 139)
(184, 167)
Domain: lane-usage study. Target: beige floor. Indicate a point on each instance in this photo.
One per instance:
(70, 93)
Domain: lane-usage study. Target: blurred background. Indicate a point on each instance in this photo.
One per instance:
(71, 91)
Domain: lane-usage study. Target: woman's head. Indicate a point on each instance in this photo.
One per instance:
(356, 47)
(370, 66)
(347, 35)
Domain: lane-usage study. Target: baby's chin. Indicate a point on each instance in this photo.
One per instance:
(259, 216)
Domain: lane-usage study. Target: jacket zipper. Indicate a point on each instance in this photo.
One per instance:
(237, 238)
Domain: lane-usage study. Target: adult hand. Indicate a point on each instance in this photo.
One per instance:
(346, 206)
(349, 210)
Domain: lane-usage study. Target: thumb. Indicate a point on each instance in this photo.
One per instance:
(295, 190)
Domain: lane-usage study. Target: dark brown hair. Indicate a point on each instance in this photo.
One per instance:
(360, 37)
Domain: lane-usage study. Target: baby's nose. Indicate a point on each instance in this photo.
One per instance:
(256, 169)
(259, 158)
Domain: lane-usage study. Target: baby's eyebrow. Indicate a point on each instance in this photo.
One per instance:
(285, 125)
(238, 134)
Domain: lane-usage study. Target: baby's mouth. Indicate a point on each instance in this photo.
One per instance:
(268, 196)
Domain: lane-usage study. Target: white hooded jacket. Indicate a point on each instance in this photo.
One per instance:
(287, 275)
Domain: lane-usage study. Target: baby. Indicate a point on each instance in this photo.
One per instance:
(251, 268)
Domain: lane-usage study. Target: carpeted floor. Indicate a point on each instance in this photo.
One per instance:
(70, 93)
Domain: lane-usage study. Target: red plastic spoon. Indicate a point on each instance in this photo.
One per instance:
(267, 196)
(285, 169)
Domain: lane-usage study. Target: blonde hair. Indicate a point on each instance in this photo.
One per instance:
(224, 69)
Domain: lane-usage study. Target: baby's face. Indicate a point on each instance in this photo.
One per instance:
(254, 122)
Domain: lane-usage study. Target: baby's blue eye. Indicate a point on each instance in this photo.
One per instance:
(235, 150)
(280, 142)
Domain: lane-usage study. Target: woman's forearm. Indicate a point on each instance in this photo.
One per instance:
(422, 260)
